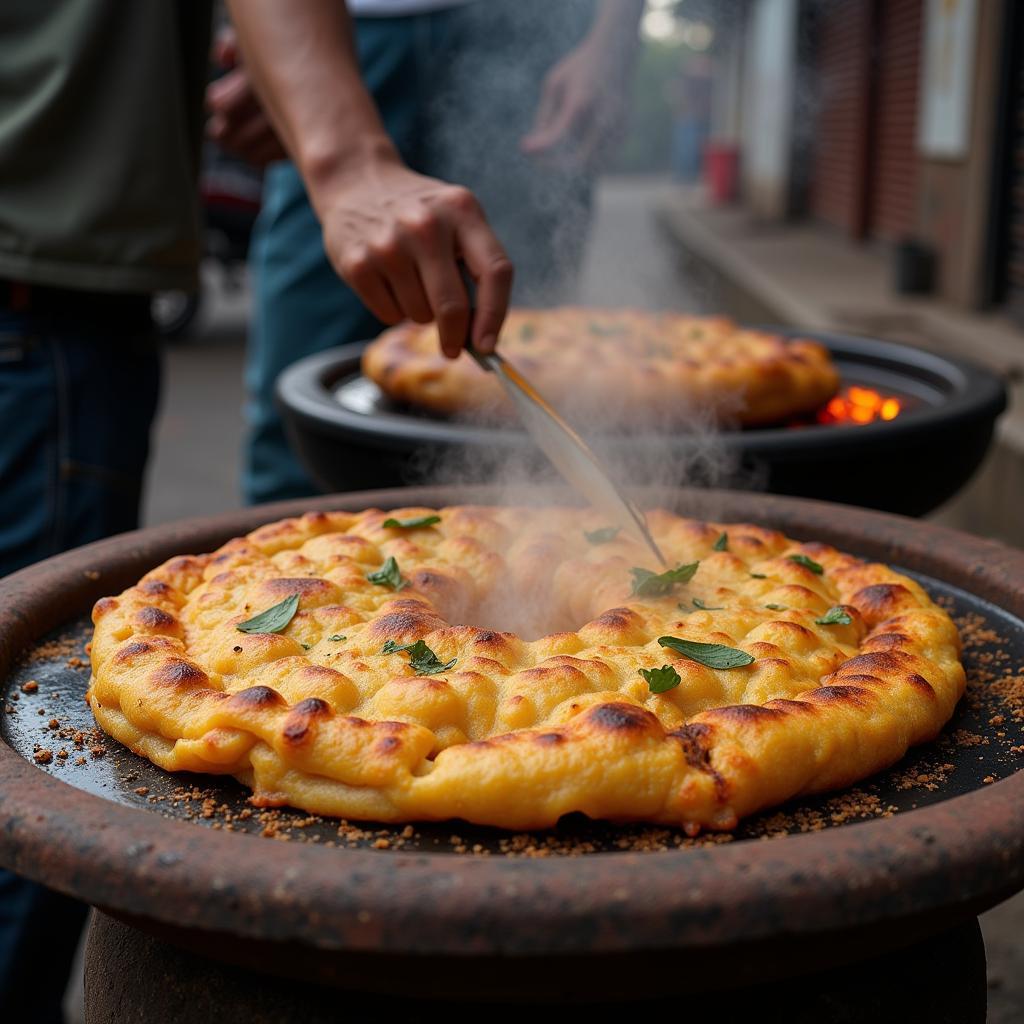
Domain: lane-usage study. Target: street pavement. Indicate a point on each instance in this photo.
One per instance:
(194, 469)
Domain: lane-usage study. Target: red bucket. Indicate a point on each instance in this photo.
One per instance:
(721, 171)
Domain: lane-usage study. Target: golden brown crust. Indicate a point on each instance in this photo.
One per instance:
(628, 365)
(519, 732)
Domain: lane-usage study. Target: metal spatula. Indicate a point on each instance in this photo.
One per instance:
(568, 452)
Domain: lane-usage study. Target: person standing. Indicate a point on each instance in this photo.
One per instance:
(426, 137)
(100, 130)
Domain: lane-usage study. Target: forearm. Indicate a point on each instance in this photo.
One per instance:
(301, 57)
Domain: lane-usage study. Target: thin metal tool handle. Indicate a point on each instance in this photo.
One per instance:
(567, 449)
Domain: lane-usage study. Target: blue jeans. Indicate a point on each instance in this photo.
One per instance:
(457, 89)
(79, 381)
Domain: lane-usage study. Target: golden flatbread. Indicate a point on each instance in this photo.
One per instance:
(621, 365)
(349, 666)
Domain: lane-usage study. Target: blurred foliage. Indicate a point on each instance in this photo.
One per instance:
(647, 146)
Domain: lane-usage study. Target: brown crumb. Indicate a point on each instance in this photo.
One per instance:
(142, 790)
(98, 750)
(43, 756)
(79, 761)
(30, 687)
(988, 779)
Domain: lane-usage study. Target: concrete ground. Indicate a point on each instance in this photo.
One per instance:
(194, 469)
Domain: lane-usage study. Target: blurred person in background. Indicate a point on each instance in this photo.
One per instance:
(514, 101)
(101, 115)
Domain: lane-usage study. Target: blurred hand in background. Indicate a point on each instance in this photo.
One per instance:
(237, 121)
(583, 103)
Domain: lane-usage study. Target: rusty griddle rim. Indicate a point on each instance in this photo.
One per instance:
(955, 857)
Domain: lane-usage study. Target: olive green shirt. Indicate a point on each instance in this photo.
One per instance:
(100, 133)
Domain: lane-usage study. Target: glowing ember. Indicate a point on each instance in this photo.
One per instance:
(860, 405)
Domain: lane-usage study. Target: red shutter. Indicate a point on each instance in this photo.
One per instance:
(843, 83)
(893, 177)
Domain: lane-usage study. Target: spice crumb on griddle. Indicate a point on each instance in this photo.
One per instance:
(43, 756)
(30, 687)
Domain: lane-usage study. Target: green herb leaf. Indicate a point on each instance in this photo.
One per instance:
(653, 584)
(698, 603)
(388, 575)
(777, 607)
(661, 679)
(712, 655)
(722, 544)
(410, 524)
(807, 563)
(602, 536)
(338, 637)
(836, 616)
(422, 660)
(305, 647)
(274, 619)
(758, 576)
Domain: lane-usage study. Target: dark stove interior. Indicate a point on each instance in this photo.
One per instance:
(362, 397)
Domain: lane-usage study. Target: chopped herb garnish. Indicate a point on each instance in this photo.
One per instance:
(722, 543)
(654, 584)
(807, 563)
(338, 637)
(758, 576)
(274, 619)
(837, 616)
(602, 536)
(712, 655)
(388, 575)
(306, 647)
(410, 524)
(661, 679)
(777, 607)
(698, 603)
(422, 660)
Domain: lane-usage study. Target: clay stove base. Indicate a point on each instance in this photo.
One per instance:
(133, 978)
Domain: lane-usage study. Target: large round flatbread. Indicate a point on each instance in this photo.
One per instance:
(615, 366)
(849, 667)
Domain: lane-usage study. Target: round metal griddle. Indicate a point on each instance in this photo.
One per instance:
(350, 435)
(918, 849)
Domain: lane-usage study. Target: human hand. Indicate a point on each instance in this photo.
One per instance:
(398, 239)
(237, 120)
(582, 106)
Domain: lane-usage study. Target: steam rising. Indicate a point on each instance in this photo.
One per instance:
(484, 99)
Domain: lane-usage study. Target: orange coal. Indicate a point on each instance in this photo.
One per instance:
(857, 404)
